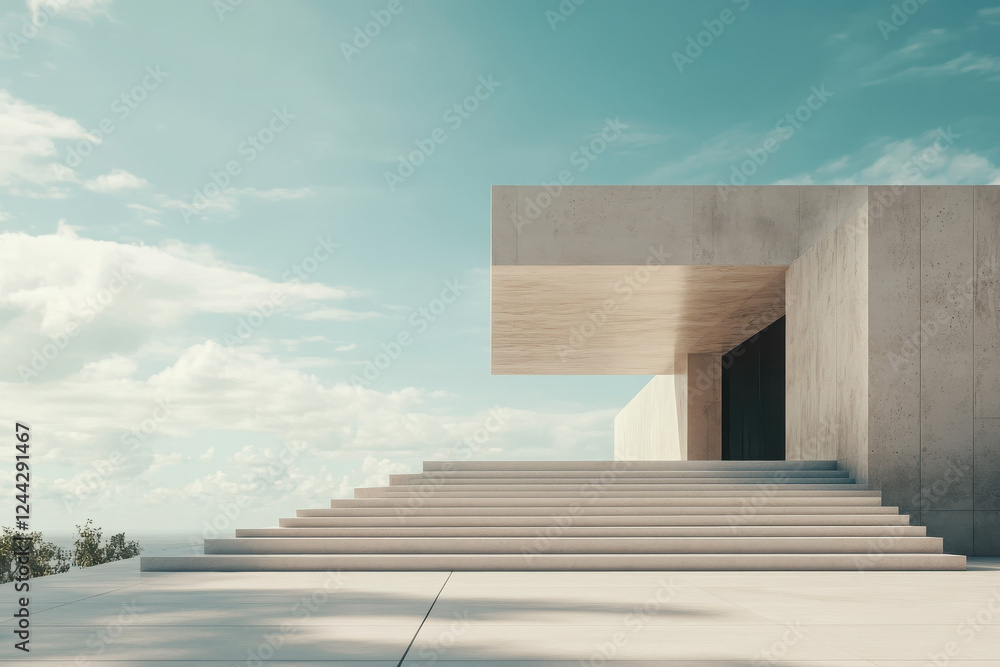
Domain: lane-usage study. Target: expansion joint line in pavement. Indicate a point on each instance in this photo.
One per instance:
(429, 610)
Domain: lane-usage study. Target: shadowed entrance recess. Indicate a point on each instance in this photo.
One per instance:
(753, 398)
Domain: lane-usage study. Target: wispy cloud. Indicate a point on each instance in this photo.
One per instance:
(276, 194)
(28, 153)
(228, 201)
(82, 10)
(210, 388)
(988, 16)
(923, 160)
(117, 180)
(967, 63)
(925, 55)
(338, 315)
(48, 281)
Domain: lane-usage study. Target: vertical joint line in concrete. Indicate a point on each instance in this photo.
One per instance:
(426, 616)
(517, 231)
(975, 294)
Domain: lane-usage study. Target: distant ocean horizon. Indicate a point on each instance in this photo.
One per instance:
(150, 540)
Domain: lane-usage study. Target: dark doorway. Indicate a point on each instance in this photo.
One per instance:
(753, 397)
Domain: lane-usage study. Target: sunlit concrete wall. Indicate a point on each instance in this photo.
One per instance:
(649, 427)
(894, 356)
(675, 417)
(826, 367)
(704, 407)
(698, 225)
(934, 332)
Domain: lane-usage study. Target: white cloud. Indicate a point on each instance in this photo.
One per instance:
(924, 160)
(922, 57)
(967, 63)
(836, 165)
(223, 203)
(142, 208)
(30, 164)
(717, 158)
(28, 152)
(636, 138)
(163, 460)
(117, 180)
(338, 315)
(709, 159)
(210, 389)
(347, 348)
(115, 367)
(989, 15)
(53, 281)
(227, 202)
(41, 10)
(277, 194)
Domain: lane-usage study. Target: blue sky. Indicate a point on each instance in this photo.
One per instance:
(216, 329)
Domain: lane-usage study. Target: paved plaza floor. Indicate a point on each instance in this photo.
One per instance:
(115, 615)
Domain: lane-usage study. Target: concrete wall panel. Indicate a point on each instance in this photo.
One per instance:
(747, 226)
(986, 465)
(955, 526)
(824, 323)
(797, 362)
(681, 401)
(946, 360)
(596, 225)
(702, 224)
(503, 208)
(987, 301)
(986, 533)
(704, 407)
(852, 343)
(820, 214)
(893, 354)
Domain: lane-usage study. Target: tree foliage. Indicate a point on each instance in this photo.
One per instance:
(88, 550)
(44, 557)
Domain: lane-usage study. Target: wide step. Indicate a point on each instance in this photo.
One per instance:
(571, 545)
(547, 520)
(622, 466)
(591, 531)
(598, 510)
(582, 562)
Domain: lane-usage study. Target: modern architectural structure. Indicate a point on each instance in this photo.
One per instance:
(882, 310)
(826, 391)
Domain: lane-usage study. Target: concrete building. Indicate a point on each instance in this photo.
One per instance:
(883, 303)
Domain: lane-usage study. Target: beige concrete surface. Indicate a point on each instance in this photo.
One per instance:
(621, 319)
(115, 615)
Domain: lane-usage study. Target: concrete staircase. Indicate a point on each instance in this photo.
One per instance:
(584, 515)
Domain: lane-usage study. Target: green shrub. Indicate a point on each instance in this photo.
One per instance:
(44, 557)
(88, 550)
